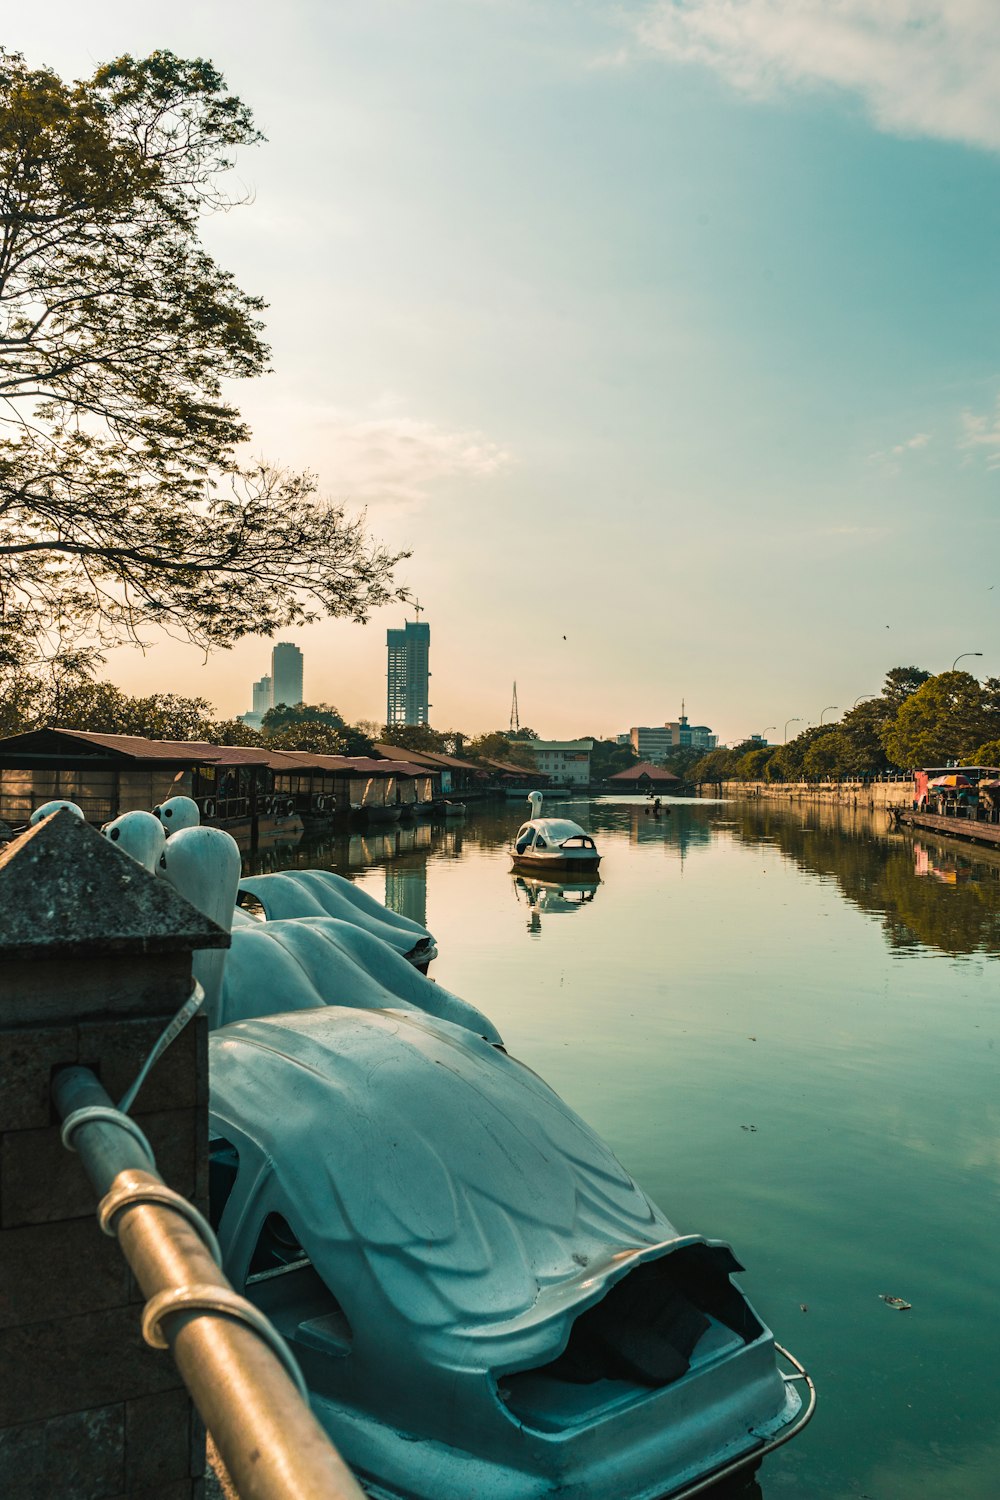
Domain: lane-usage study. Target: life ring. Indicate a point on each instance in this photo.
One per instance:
(208, 808)
(289, 806)
(321, 804)
(264, 805)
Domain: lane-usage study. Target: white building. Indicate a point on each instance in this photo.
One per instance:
(566, 761)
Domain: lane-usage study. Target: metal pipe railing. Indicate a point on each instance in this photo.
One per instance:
(268, 1439)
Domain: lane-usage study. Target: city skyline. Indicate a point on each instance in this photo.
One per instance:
(671, 372)
(282, 685)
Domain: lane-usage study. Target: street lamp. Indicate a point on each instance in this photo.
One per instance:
(862, 698)
(766, 728)
(787, 722)
(828, 709)
(962, 657)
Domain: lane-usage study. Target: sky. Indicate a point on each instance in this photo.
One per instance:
(665, 335)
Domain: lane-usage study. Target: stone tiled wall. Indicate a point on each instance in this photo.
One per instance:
(90, 1411)
(95, 959)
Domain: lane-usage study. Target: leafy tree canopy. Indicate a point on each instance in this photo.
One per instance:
(900, 683)
(946, 718)
(498, 745)
(608, 757)
(123, 504)
(416, 737)
(304, 726)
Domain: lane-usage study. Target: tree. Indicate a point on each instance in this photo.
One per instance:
(235, 732)
(715, 766)
(321, 739)
(945, 719)
(414, 737)
(498, 745)
(900, 683)
(292, 728)
(608, 757)
(753, 764)
(122, 503)
(827, 755)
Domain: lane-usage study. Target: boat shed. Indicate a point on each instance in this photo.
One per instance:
(110, 774)
(367, 788)
(644, 777)
(452, 773)
(514, 778)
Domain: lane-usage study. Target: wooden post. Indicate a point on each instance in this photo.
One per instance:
(95, 958)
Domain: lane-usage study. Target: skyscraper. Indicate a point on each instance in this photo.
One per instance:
(263, 696)
(409, 650)
(286, 674)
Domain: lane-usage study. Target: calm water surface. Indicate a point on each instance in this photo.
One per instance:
(786, 1025)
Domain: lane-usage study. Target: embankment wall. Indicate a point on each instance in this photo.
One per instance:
(836, 793)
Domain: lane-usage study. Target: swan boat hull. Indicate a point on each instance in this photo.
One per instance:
(482, 1301)
(555, 844)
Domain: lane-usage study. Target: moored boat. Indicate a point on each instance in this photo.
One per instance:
(553, 844)
(508, 1315)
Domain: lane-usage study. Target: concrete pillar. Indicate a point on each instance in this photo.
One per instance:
(95, 958)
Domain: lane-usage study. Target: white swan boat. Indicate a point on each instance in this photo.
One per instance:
(482, 1301)
(553, 844)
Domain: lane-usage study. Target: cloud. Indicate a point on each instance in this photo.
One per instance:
(982, 431)
(379, 454)
(888, 458)
(922, 67)
(401, 459)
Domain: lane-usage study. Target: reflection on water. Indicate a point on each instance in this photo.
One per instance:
(729, 1010)
(552, 897)
(885, 873)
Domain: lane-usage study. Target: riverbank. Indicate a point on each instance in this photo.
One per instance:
(870, 794)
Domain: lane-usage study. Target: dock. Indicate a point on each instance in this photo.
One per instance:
(972, 830)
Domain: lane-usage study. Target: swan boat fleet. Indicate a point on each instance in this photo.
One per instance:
(481, 1299)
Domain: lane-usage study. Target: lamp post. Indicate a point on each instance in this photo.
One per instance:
(861, 698)
(766, 728)
(787, 722)
(962, 657)
(828, 709)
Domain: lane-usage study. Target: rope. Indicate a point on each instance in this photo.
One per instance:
(170, 1034)
(91, 1112)
(224, 1301)
(128, 1192)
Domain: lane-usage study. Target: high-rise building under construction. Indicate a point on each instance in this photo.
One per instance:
(409, 676)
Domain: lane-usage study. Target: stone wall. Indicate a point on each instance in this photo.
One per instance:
(95, 958)
(872, 794)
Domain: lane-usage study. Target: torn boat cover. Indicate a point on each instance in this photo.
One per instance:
(482, 1301)
(321, 893)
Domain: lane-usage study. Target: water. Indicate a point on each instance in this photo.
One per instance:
(786, 1025)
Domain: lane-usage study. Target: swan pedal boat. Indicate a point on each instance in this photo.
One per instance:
(553, 844)
(481, 1299)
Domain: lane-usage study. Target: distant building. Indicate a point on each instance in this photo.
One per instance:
(566, 761)
(651, 744)
(691, 736)
(286, 675)
(263, 695)
(263, 699)
(655, 743)
(409, 675)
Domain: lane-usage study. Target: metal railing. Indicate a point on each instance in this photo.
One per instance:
(230, 1359)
